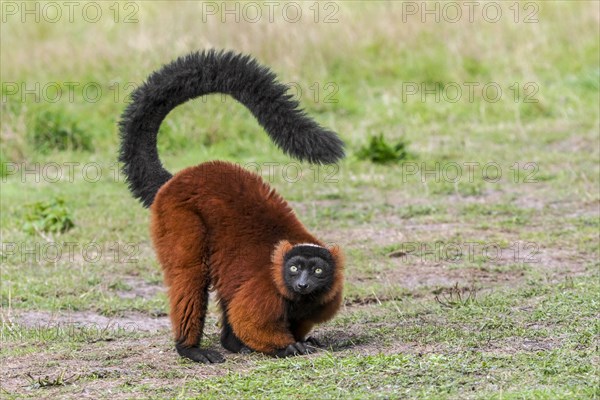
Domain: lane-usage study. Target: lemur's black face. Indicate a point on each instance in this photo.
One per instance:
(308, 269)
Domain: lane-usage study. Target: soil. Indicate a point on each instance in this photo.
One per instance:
(107, 361)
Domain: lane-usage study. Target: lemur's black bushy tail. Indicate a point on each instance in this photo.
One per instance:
(207, 72)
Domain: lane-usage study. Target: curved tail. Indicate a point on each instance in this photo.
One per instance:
(200, 73)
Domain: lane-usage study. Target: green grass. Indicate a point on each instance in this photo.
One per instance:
(520, 176)
(495, 346)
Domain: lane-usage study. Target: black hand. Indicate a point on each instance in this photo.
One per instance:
(201, 355)
(296, 349)
(313, 341)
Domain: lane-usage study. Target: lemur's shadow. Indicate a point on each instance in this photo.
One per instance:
(340, 340)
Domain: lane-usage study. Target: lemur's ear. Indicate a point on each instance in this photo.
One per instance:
(277, 258)
(280, 251)
(337, 254)
(339, 265)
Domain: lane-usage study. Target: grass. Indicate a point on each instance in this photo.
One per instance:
(84, 308)
(51, 216)
(381, 152)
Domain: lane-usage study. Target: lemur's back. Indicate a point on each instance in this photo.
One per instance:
(234, 206)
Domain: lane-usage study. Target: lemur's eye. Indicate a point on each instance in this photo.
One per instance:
(293, 268)
(318, 271)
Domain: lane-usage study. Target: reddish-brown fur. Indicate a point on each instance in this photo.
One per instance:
(218, 224)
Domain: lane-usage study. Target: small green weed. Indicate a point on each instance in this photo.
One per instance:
(381, 152)
(47, 381)
(48, 216)
(456, 296)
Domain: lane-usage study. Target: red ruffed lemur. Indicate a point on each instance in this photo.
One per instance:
(218, 225)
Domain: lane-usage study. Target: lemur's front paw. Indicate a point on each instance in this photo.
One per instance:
(197, 354)
(296, 349)
(314, 342)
